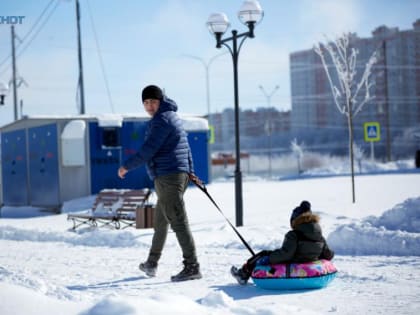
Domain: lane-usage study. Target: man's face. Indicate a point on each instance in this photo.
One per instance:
(151, 106)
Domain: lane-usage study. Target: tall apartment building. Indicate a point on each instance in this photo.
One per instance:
(396, 105)
(256, 127)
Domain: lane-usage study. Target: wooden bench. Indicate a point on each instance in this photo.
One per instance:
(118, 208)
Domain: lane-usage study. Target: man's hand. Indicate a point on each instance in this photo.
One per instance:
(195, 179)
(122, 171)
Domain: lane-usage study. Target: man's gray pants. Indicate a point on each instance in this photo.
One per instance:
(170, 210)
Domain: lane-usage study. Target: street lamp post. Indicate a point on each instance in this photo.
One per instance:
(249, 14)
(269, 95)
(207, 68)
(269, 125)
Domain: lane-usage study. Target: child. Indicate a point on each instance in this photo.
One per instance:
(304, 243)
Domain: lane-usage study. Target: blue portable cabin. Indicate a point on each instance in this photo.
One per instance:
(48, 160)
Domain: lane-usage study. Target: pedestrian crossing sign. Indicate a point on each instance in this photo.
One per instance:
(372, 131)
(211, 134)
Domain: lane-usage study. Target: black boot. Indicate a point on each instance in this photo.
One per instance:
(239, 275)
(191, 271)
(149, 268)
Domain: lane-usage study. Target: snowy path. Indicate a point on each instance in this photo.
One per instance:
(90, 272)
(84, 273)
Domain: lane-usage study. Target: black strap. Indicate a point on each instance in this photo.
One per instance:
(203, 188)
(288, 270)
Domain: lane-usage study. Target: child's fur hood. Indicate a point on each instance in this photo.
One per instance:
(306, 217)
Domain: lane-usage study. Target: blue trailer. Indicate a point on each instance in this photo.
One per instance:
(48, 160)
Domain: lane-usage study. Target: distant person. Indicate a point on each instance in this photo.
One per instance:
(304, 243)
(168, 160)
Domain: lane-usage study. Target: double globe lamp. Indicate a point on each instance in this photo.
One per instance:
(249, 14)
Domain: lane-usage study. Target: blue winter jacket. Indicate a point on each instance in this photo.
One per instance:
(165, 149)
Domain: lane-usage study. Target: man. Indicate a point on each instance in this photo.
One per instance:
(168, 160)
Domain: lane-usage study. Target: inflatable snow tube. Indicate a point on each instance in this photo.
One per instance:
(295, 276)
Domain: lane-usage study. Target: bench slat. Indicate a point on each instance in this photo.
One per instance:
(128, 202)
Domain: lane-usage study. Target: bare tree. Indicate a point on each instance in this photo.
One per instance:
(349, 96)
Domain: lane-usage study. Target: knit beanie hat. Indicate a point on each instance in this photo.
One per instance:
(151, 92)
(305, 206)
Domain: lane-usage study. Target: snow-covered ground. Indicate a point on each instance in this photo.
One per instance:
(47, 269)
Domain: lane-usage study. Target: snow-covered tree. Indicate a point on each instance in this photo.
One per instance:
(349, 96)
(297, 150)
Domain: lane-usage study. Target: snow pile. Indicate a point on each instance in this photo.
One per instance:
(32, 302)
(217, 303)
(334, 166)
(395, 232)
(83, 237)
(404, 216)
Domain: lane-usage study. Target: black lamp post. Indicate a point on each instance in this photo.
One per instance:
(249, 14)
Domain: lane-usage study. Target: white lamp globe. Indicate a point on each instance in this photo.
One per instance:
(218, 23)
(250, 12)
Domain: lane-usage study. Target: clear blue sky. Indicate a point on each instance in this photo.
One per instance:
(145, 42)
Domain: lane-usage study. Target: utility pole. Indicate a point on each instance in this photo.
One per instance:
(15, 106)
(387, 118)
(79, 42)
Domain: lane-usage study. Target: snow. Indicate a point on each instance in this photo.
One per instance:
(110, 120)
(45, 268)
(194, 123)
(75, 129)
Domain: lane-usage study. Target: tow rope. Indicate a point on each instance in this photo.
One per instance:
(203, 188)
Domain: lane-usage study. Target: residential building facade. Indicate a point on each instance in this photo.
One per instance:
(396, 106)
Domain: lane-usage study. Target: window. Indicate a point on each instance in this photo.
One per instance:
(111, 137)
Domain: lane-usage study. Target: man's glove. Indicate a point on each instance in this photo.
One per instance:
(195, 179)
